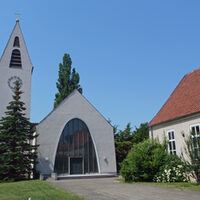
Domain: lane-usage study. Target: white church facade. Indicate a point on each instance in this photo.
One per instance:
(74, 139)
(15, 64)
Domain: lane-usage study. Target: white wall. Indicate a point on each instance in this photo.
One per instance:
(23, 73)
(181, 128)
(50, 129)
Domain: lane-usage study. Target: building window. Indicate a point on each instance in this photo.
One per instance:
(75, 151)
(195, 131)
(171, 142)
(16, 42)
(16, 59)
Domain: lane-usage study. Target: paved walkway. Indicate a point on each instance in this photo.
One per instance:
(111, 189)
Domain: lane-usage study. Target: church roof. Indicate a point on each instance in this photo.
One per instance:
(185, 100)
(15, 54)
(77, 97)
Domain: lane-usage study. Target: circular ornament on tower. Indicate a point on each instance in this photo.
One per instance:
(12, 80)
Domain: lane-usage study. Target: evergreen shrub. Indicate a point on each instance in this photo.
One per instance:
(143, 161)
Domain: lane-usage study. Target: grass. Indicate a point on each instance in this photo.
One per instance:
(177, 185)
(37, 190)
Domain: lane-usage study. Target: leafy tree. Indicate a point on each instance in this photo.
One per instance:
(17, 154)
(68, 80)
(192, 150)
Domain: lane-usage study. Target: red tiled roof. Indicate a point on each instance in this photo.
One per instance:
(184, 100)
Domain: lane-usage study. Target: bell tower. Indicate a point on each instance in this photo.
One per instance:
(15, 64)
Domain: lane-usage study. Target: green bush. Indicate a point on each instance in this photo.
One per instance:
(174, 170)
(143, 161)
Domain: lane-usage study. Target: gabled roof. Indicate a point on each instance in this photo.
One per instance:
(184, 100)
(76, 93)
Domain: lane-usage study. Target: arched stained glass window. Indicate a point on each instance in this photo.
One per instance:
(16, 42)
(75, 151)
(15, 60)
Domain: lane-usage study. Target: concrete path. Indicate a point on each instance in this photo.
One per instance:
(111, 189)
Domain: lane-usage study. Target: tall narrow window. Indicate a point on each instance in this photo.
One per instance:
(16, 42)
(16, 59)
(195, 131)
(171, 144)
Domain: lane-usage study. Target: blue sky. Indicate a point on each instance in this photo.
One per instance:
(130, 54)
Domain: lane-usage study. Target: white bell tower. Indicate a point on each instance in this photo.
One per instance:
(15, 64)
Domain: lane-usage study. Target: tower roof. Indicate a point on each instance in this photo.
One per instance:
(184, 100)
(16, 43)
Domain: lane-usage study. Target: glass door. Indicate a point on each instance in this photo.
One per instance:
(76, 165)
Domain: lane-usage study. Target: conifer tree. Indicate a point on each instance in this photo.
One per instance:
(68, 80)
(17, 154)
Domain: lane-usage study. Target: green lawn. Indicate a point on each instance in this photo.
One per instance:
(37, 190)
(182, 186)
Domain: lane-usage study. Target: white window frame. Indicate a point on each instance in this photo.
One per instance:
(196, 135)
(172, 140)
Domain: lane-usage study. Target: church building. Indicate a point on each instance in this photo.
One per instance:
(180, 115)
(74, 139)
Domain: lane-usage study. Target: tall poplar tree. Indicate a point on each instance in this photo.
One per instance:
(17, 154)
(68, 80)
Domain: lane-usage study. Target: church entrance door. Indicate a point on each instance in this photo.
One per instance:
(76, 165)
